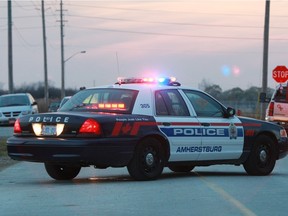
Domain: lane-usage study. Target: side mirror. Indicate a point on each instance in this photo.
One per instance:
(230, 112)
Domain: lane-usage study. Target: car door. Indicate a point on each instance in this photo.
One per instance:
(181, 129)
(222, 134)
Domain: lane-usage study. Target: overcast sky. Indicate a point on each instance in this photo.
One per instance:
(218, 41)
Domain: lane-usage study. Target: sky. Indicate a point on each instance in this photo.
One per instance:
(214, 41)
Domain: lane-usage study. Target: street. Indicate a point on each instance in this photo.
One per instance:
(26, 189)
(6, 131)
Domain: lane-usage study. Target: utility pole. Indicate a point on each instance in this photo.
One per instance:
(10, 50)
(46, 92)
(265, 56)
(62, 51)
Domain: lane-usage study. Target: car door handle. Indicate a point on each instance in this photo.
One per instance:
(205, 124)
(166, 123)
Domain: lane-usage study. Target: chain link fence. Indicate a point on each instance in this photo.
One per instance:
(247, 108)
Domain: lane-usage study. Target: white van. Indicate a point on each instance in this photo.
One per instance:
(13, 106)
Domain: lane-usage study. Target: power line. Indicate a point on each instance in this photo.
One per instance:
(179, 35)
(171, 23)
(18, 5)
(156, 22)
(164, 34)
(26, 43)
(171, 11)
(157, 11)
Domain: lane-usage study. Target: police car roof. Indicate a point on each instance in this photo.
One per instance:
(144, 83)
(140, 87)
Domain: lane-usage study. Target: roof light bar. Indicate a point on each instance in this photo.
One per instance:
(151, 80)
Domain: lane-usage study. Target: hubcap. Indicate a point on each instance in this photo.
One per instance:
(263, 156)
(149, 159)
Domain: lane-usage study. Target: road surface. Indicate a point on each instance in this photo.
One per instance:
(26, 189)
(6, 131)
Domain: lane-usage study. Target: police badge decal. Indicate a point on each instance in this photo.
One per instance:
(232, 131)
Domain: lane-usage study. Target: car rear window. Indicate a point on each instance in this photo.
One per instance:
(280, 95)
(102, 100)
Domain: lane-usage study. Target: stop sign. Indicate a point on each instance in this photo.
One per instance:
(280, 74)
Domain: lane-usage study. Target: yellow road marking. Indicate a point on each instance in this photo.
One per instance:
(228, 197)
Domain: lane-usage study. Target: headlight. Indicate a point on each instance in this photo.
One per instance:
(26, 112)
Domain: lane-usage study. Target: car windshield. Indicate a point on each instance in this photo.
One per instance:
(102, 100)
(14, 100)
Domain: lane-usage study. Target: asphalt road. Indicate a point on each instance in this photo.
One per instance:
(26, 189)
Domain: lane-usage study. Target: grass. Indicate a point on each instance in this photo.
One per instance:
(3, 148)
(5, 161)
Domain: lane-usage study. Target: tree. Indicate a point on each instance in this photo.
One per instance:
(233, 94)
(214, 90)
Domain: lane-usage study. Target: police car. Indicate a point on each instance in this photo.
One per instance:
(145, 125)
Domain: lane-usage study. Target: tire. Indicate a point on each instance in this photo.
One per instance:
(62, 172)
(262, 158)
(181, 168)
(148, 160)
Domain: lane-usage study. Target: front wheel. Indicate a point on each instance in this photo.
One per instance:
(62, 172)
(262, 158)
(148, 160)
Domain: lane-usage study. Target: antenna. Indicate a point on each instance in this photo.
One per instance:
(117, 64)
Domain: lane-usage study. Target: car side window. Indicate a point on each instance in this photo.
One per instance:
(204, 105)
(170, 102)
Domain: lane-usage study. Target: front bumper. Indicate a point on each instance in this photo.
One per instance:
(7, 121)
(84, 152)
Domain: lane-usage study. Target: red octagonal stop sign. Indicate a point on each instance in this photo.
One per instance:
(280, 74)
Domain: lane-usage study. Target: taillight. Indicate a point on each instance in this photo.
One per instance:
(17, 127)
(271, 109)
(90, 126)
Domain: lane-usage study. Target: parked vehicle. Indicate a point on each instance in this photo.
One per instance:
(14, 106)
(277, 110)
(64, 100)
(54, 106)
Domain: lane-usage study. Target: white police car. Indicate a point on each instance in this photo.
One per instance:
(145, 124)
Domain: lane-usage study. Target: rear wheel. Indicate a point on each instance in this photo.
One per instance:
(181, 168)
(62, 172)
(262, 158)
(148, 160)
